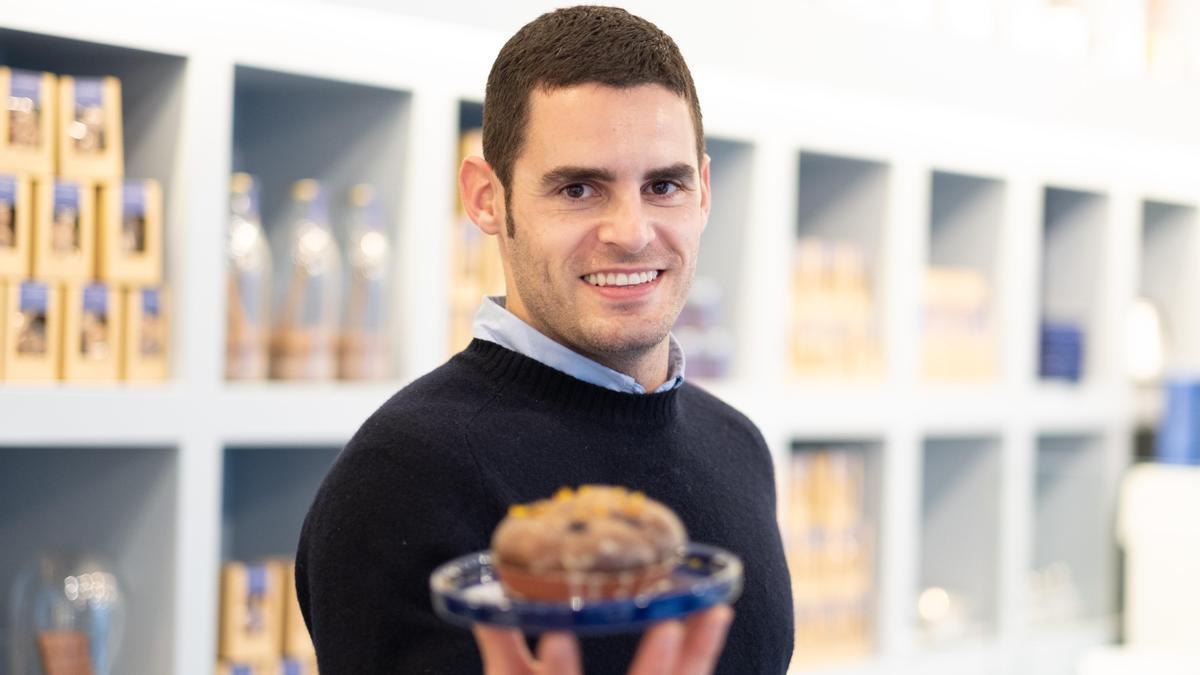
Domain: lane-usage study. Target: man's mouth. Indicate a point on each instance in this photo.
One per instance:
(621, 278)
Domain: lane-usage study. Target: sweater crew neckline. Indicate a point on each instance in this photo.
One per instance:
(515, 371)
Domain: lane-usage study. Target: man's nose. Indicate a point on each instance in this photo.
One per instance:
(628, 223)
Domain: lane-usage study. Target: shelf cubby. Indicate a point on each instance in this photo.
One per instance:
(1074, 249)
(1074, 554)
(838, 290)
(1170, 279)
(117, 503)
(960, 507)
(962, 326)
(266, 493)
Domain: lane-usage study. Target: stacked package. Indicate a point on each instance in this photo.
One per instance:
(262, 631)
(81, 294)
(834, 331)
(827, 539)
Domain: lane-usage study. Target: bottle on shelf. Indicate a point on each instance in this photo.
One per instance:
(249, 284)
(363, 352)
(308, 291)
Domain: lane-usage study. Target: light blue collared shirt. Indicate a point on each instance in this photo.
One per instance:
(496, 324)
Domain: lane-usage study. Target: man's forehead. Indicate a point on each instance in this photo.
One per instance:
(593, 123)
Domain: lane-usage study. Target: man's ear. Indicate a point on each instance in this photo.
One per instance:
(481, 194)
(705, 187)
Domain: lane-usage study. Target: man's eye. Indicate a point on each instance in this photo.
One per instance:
(664, 187)
(577, 191)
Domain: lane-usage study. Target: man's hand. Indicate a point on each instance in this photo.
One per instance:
(668, 648)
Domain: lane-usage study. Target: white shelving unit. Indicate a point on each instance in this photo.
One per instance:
(984, 480)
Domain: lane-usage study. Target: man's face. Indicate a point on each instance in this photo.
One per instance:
(608, 203)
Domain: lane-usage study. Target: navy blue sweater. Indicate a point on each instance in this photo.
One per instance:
(431, 473)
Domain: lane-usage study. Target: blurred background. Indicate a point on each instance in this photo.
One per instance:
(951, 272)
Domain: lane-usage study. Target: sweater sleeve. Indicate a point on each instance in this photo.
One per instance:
(397, 503)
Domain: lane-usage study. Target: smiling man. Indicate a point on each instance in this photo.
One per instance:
(595, 183)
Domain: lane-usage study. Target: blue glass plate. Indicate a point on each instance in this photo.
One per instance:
(466, 591)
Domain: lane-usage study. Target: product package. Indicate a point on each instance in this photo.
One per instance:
(297, 643)
(63, 230)
(364, 351)
(251, 612)
(146, 356)
(129, 241)
(32, 332)
(27, 125)
(92, 332)
(308, 290)
(16, 226)
(90, 145)
(248, 309)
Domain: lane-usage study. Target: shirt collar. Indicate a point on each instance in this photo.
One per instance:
(494, 323)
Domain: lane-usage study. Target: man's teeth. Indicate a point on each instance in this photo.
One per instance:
(621, 279)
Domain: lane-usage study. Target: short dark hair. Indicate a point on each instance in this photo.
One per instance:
(568, 47)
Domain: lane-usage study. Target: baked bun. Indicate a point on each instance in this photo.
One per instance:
(599, 542)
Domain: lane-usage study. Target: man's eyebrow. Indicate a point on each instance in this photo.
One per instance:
(682, 172)
(576, 174)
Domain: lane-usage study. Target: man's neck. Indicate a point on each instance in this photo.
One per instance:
(648, 368)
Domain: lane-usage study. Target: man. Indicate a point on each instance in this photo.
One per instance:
(596, 185)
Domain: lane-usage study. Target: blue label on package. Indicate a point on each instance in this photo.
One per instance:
(95, 299)
(89, 92)
(35, 297)
(256, 580)
(66, 194)
(27, 84)
(291, 667)
(8, 189)
(133, 198)
(150, 302)
(242, 670)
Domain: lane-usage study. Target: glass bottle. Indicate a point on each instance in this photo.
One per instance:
(249, 284)
(308, 289)
(364, 345)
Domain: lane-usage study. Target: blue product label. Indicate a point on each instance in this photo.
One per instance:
(151, 301)
(291, 667)
(95, 299)
(27, 84)
(89, 92)
(133, 198)
(35, 297)
(241, 670)
(8, 189)
(66, 194)
(256, 580)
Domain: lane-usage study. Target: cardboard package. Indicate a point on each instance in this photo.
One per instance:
(251, 627)
(63, 230)
(92, 332)
(146, 351)
(16, 227)
(90, 137)
(27, 125)
(129, 239)
(32, 332)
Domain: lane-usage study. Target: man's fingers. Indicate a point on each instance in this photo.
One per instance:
(705, 636)
(503, 650)
(558, 654)
(659, 650)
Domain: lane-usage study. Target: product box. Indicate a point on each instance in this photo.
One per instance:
(251, 612)
(32, 331)
(16, 226)
(297, 643)
(92, 332)
(146, 352)
(63, 230)
(129, 240)
(89, 128)
(27, 133)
